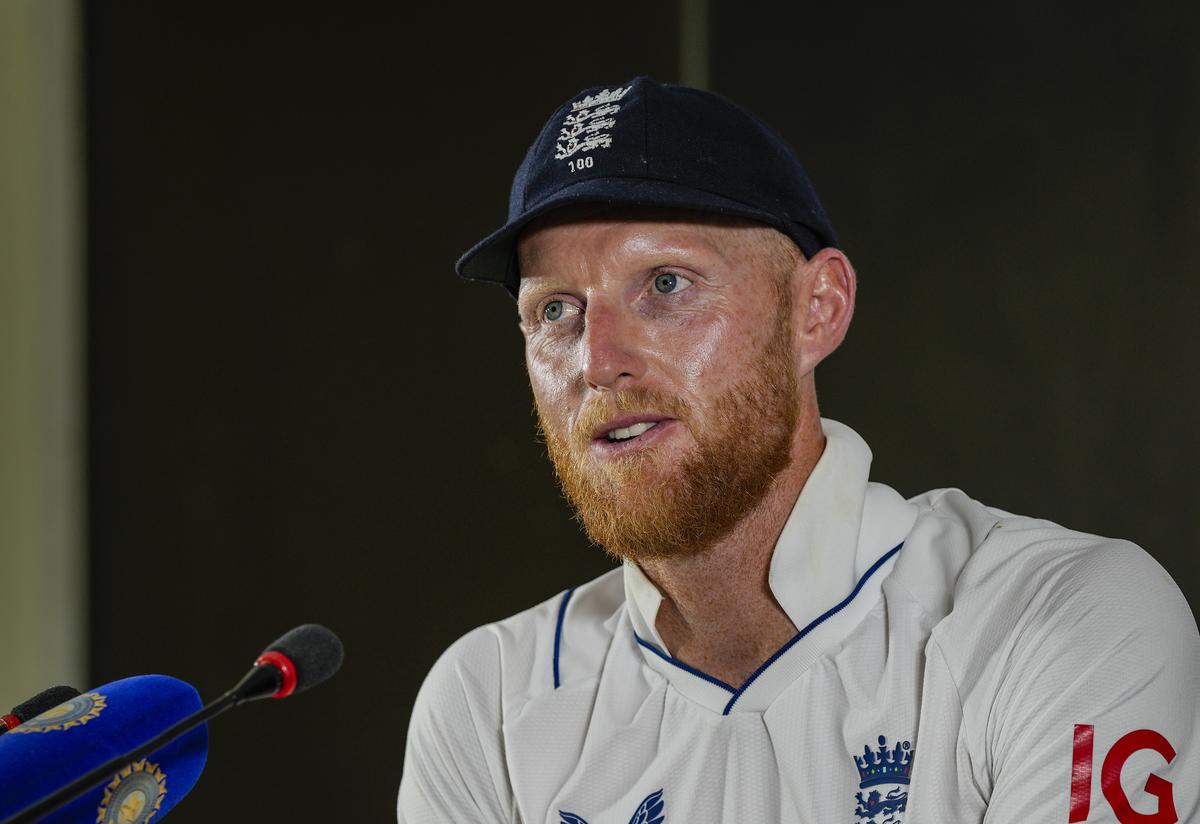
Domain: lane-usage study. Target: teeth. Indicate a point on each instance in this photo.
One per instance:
(628, 432)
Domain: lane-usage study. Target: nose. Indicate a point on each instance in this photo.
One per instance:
(612, 354)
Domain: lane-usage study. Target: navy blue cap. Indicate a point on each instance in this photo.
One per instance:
(648, 144)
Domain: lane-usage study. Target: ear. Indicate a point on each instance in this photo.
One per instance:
(825, 296)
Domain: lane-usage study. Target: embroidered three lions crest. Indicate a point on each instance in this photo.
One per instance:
(589, 124)
(885, 774)
(650, 811)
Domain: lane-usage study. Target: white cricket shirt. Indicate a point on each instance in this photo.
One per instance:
(954, 664)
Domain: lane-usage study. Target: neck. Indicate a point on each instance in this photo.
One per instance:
(718, 613)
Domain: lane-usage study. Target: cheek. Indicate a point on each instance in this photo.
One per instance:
(551, 382)
(695, 351)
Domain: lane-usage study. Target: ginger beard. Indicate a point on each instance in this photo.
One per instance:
(644, 505)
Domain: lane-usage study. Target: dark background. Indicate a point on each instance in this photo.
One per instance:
(298, 413)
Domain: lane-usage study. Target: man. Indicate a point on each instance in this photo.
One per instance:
(783, 635)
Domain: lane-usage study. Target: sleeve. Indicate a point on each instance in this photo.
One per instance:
(1097, 715)
(454, 761)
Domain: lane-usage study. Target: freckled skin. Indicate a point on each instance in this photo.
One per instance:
(617, 331)
(691, 343)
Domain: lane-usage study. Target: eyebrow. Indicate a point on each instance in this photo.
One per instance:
(540, 286)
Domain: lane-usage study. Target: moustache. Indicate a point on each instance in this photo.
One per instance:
(600, 409)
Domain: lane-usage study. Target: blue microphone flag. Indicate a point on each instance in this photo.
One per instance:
(49, 751)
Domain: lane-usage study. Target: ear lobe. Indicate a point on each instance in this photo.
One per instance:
(830, 297)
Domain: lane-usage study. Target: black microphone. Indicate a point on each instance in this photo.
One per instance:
(38, 704)
(299, 660)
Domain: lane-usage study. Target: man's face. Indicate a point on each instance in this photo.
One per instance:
(661, 356)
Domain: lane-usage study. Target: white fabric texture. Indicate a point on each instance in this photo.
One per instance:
(1042, 674)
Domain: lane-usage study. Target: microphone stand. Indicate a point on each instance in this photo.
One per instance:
(258, 683)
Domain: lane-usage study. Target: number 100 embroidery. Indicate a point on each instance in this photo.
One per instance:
(584, 162)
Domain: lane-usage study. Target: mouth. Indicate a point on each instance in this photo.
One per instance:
(623, 433)
(626, 433)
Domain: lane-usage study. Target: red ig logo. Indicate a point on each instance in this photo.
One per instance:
(1110, 777)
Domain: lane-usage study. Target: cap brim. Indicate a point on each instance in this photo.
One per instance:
(494, 257)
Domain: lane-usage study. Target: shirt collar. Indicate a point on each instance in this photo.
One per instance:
(826, 544)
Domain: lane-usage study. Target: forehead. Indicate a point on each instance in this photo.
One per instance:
(589, 229)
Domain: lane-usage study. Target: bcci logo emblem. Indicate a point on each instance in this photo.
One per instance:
(884, 773)
(134, 795)
(74, 713)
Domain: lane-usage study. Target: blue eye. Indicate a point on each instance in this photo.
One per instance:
(667, 283)
(559, 310)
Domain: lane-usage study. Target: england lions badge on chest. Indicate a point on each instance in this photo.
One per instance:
(883, 776)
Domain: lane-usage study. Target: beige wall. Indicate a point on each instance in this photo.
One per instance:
(42, 562)
(693, 43)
